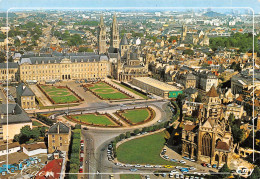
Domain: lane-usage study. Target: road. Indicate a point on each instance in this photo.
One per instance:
(97, 141)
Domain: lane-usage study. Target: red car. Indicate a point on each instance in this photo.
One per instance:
(81, 159)
(80, 170)
(82, 141)
(82, 151)
(204, 164)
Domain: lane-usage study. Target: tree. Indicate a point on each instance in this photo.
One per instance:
(237, 133)
(188, 52)
(256, 173)
(35, 133)
(85, 49)
(26, 131)
(225, 171)
(136, 131)
(128, 135)
(198, 98)
(231, 118)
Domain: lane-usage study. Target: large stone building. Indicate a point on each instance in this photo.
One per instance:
(25, 97)
(188, 80)
(59, 137)
(17, 118)
(12, 71)
(210, 140)
(66, 67)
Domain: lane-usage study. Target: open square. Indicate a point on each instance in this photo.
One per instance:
(59, 94)
(106, 92)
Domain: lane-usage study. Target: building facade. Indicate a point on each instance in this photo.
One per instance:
(25, 97)
(12, 71)
(58, 68)
(59, 137)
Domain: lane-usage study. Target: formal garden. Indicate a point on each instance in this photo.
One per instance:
(106, 91)
(60, 94)
(95, 119)
(137, 115)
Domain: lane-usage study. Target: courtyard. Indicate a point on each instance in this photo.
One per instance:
(106, 92)
(59, 94)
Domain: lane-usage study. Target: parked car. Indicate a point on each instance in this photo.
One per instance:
(80, 170)
(133, 169)
(208, 165)
(182, 161)
(173, 160)
(137, 166)
(177, 176)
(166, 157)
(148, 166)
(170, 175)
(214, 166)
(204, 164)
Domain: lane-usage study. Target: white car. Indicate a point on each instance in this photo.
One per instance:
(171, 175)
(178, 167)
(192, 168)
(147, 177)
(137, 166)
(192, 160)
(174, 172)
(182, 161)
(148, 166)
(208, 165)
(159, 121)
(157, 166)
(181, 176)
(177, 176)
(166, 157)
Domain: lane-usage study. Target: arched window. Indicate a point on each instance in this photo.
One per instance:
(224, 158)
(206, 144)
(218, 140)
(216, 158)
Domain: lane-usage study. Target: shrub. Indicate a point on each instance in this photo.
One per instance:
(136, 131)
(128, 134)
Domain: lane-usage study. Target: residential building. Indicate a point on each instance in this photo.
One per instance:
(25, 97)
(59, 137)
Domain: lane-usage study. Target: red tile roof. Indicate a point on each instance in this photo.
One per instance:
(50, 171)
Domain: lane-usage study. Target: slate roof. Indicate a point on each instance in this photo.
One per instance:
(15, 114)
(58, 59)
(59, 128)
(124, 40)
(23, 90)
(190, 91)
(10, 65)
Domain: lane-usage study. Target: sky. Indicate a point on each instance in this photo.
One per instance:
(52, 4)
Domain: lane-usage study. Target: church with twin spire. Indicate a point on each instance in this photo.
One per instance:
(127, 60)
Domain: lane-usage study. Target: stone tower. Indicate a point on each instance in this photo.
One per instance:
(102, 36)
(114, 41)
(184, 32)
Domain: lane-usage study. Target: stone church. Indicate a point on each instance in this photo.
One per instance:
(127, 61)
(210, 139)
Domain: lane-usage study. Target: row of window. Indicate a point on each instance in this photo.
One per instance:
(62, 66)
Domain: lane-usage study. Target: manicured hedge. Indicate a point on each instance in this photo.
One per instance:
(74, 157)
(45, 119)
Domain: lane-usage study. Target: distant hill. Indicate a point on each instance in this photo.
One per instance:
(213, 14)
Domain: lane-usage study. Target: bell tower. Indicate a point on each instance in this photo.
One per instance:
(101, 36)
(114, 41)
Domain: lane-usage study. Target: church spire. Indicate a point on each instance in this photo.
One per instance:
(114, 42)
(102, 36)
(101, 20)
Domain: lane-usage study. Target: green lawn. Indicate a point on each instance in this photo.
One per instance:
(93, 118)
(59, 95)
(132, 90)
(35, 123)
(130, 176)
(136, 115)
(144, 150)
(107, 92)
